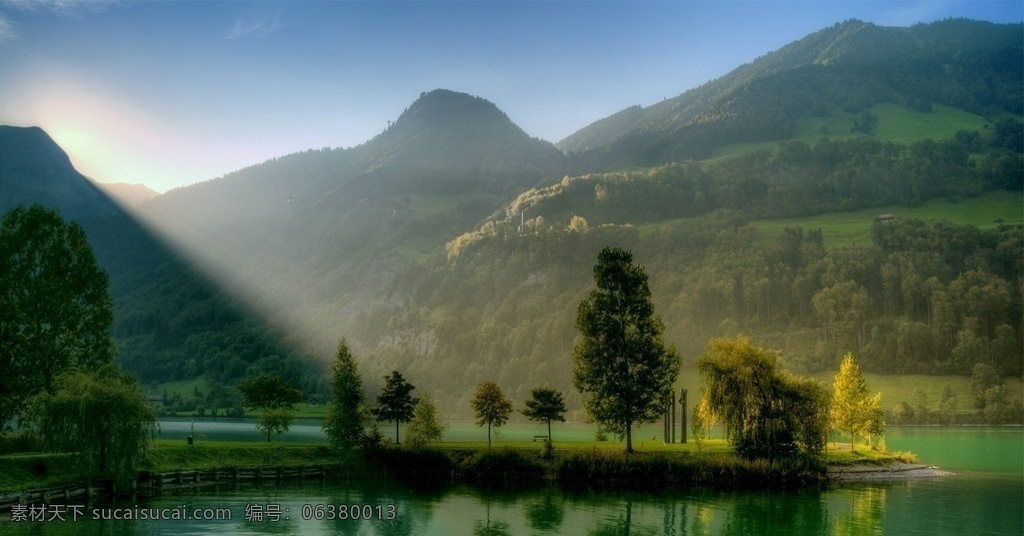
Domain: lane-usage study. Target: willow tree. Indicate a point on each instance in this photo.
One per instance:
(767, 412)
(621, 362)
(100, 414)
(853, 411)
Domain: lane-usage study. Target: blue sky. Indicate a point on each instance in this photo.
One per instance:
(171, 93)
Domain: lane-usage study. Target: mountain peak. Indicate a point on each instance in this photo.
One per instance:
(34, 169)
(459, 139)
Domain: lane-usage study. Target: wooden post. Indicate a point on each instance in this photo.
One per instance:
(673, 420)
(682, 401)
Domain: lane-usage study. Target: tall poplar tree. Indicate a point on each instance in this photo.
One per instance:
(622, 362)
(344, 421)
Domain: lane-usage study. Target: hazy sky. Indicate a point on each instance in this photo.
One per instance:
(170, 93)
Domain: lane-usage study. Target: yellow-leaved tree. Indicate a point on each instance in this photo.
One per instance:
(853, 412)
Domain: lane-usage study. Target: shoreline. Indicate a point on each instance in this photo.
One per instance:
(894, 472)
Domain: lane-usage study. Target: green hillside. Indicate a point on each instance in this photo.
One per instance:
(854, 228)
(896, 123)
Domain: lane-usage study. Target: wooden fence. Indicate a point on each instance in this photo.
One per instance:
(146, 483)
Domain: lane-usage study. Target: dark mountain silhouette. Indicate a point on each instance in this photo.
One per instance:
(169, 322)
(34, 169)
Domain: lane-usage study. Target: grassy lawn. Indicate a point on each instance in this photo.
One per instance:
(167, 455)
(841, 229)
(897, 124)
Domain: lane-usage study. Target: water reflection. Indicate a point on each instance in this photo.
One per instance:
(954, 505)
(858, 509)
(545, 510)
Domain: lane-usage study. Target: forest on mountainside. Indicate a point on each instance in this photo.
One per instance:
(932, 298)
(847, 68)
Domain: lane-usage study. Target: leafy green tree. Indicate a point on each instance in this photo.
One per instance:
(491, 407)
(983, 379)
(622, 362)
(55, 310)
(344, 421)
(424, 427)
(853, 411)
(395, 402)
(102, 414)
(545, 405)
(274, 398)
(768, 413)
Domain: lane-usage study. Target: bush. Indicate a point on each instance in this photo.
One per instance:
(420, 468)
(502, 468)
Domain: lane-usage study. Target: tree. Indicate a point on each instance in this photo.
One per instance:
(545, 405)
(767, 413)
(424, 427)
(702, 420)
(55, 310)
(344, 421)
(852, 411)
(983, 379)
(491, 407)
(395, 402)
(101, 414)
(274, 398)
(621, 361)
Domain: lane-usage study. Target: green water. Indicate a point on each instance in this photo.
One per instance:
(984, 496)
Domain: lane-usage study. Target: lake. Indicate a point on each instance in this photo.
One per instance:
(984, 496)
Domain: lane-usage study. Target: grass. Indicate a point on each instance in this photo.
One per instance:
(841, 229)
(904, 125)
(167, 455)
(897, 124)
(185, 388)
(839, 454)
(36, 470)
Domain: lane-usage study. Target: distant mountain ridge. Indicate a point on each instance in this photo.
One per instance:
(129, 194)
(847, 67)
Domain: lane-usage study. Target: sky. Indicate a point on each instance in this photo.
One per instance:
(172, 93)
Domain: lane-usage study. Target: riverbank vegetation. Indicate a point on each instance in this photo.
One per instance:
(572, 464)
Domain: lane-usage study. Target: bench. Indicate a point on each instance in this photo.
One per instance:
(540, 438)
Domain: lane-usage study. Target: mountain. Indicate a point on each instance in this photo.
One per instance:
(312, 235)
(836, 72)
(127, 194)
(454, 247)
(34, 169)
(170, 323)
